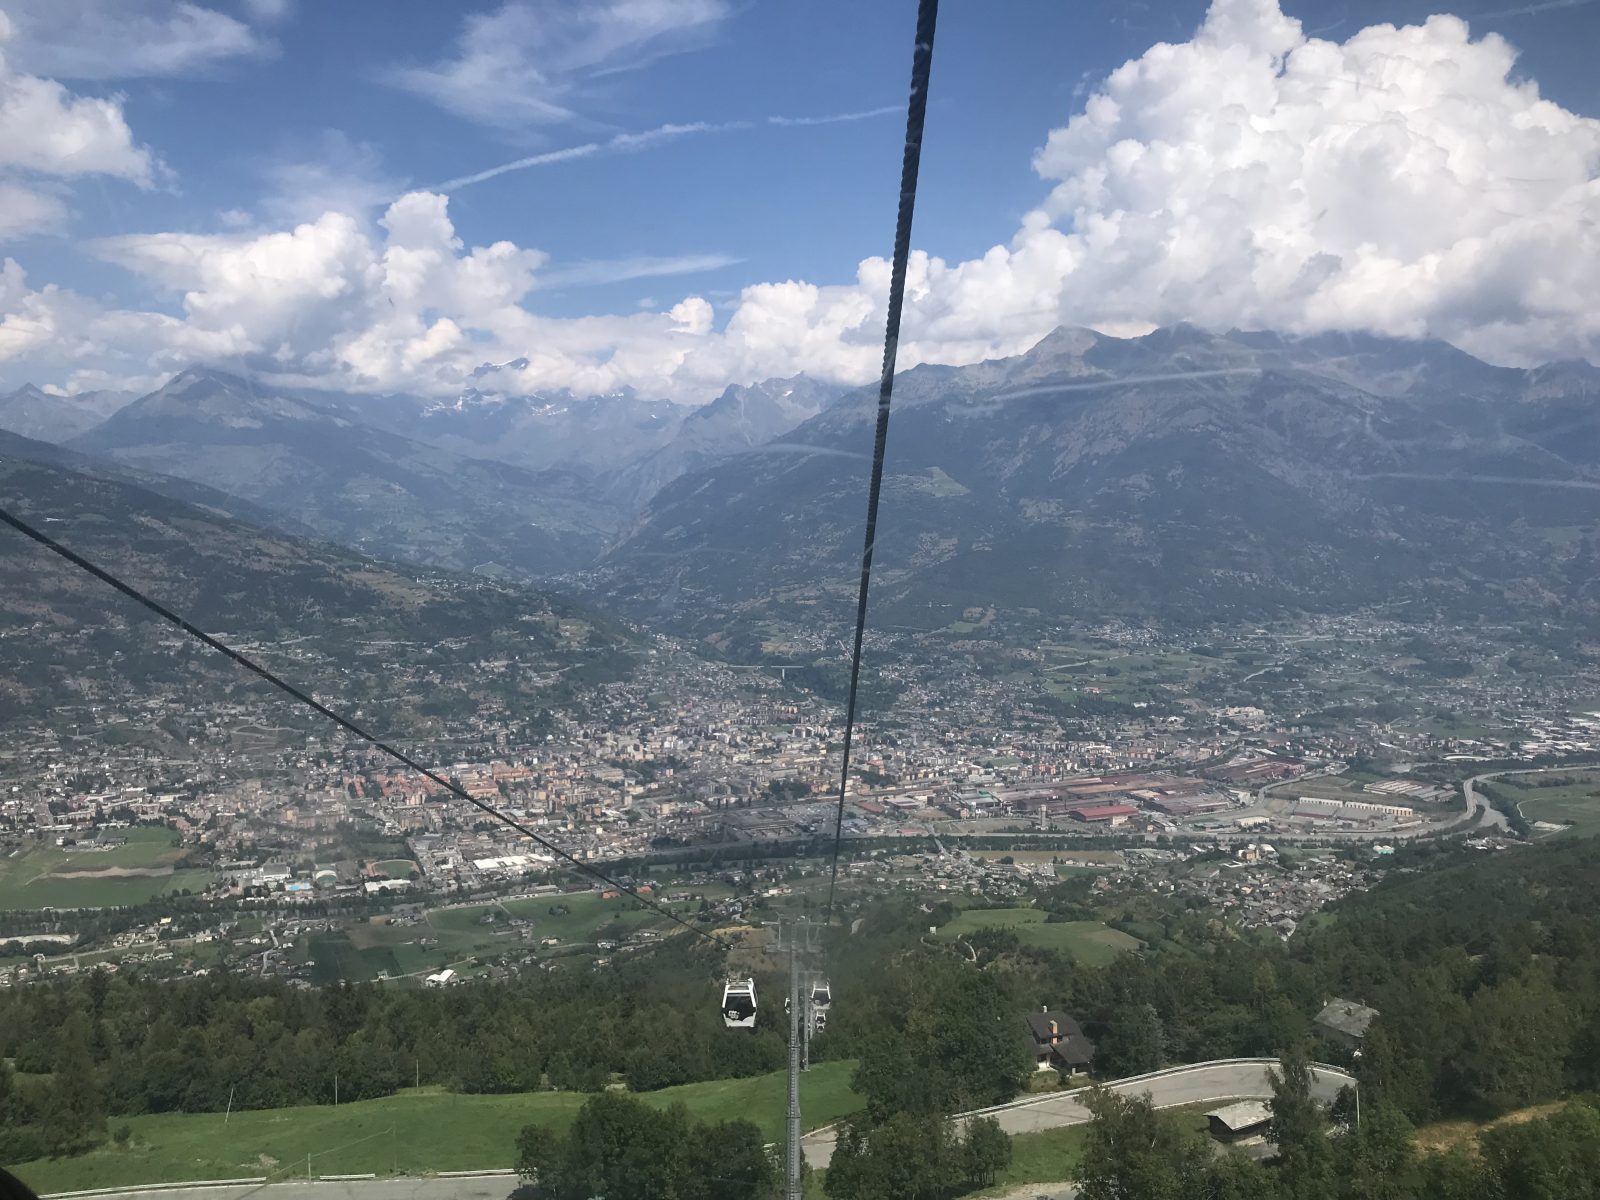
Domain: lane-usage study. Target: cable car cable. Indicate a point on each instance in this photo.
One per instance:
(166, 614)
(916, 110)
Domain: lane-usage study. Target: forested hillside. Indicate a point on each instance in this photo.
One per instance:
(1485, 969)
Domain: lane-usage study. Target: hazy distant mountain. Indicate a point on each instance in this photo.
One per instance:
(738, 420)
(36, 414)
(589, 434)
(15, 446)
(1180, 475)
(72, 641)
(373, 488)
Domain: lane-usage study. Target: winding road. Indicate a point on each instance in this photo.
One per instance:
(1226, 1079)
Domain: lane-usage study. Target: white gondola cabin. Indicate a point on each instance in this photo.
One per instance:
(739, 1004)
(821, 996)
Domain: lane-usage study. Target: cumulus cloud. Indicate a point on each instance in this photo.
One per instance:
(1405, 180)
(45, 130)
(127, 39)
(527, 66)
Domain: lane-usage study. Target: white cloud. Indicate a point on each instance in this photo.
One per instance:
(269, 12)
(26, 210)
(331, 173)
(527, 66)
(1404, 181)
(125, 39)
(45, 130)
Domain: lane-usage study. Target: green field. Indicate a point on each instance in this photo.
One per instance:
(1576, 803)
(1089, 942)
(396, 868)
(364, 950)
(45, 876)
(413, 1132)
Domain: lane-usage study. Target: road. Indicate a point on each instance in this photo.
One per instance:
(496, 1186)
(1229, 1079)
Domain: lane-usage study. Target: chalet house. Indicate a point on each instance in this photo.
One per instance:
(1057, 1042)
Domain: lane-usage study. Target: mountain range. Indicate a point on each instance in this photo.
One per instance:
(524, 486)
(55, 418)
(1179, 476)
(1184, 476)
(318, 466)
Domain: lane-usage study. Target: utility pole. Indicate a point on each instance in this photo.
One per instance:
(806, 1020)
(793, 1189)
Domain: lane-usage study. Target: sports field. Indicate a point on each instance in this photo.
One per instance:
(1089, 942)
(415, 1131)
(44, 875)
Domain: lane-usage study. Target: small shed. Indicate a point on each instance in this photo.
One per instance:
(1235, 1122)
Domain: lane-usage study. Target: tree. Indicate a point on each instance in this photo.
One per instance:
(906, 1157)
(1134, 1042)
(1132, 1152)
(1375, 1161)
(1299, 1125)
(729, 1161)
(987, 1150)
(1554, 1158)
(950, 1039)
(622, 1147)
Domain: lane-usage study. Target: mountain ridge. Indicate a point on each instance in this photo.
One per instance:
(1178, 474)
(351, 481)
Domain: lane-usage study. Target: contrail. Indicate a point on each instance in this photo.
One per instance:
(622, 143)
(1528, 10)
(837, 118)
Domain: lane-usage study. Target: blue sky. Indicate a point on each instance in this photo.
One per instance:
(255, 117)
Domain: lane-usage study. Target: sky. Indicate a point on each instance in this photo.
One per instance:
(675, 195)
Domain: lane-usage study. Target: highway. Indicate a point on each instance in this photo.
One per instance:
(1228, 1079)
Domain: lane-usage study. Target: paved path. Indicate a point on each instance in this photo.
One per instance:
(1228, 1079)
(495, 1186)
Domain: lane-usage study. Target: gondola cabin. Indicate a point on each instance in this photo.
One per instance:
(821, 996)
(739, 1004)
